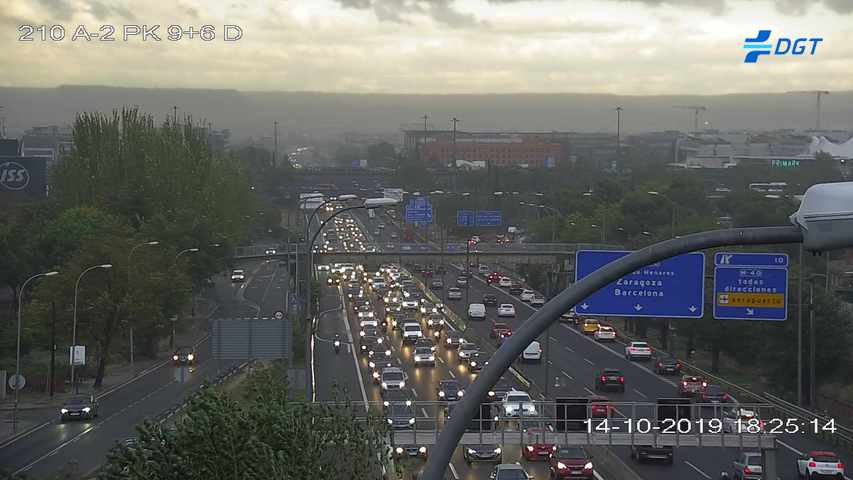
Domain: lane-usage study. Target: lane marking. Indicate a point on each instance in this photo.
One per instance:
(640, 393)
(453, 471)
(24, 434)
(780, 442)
(567, 375)
(423, 410)
(588, 361)
(553, 339)
(589, 391)
(414, 392)
(694, 467)
(453, 375)
(58, 448)
(345, 316)
(550, 362)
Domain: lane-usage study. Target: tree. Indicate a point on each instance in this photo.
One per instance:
(381, 154)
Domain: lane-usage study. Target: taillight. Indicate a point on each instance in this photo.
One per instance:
(747, 470)
(622, 379)
(812, 465)
(660, 365)
(704, 384)
(603, 378)
(840, 466)
(684, 384)
(678, 364)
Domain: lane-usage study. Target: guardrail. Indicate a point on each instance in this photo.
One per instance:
(219, 380)
(842, 436)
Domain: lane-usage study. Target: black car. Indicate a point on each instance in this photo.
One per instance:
(370, 346)
(610, 378)
(78, 408)
(490, 300)
(184, 356)
(453, 339)
(477, 361)
(482, 453)
(668, 366)
(437, 285)
(400, 415)
(412, 451)
(395, 396)
(515, 290)
(440, 269)
(450, 390)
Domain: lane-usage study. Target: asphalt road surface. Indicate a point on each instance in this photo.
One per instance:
(52, 446)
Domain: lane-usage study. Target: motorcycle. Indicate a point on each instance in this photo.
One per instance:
(337, 344)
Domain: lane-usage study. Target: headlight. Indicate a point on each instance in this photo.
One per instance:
(399, 450)
(448, 341)
(561, 465)
(471, 451)
(411, 421)
(498, 450)
(529, 448)
(473, 363)
(385, 385)
(375, 374)
(63, 411)
(431, 358)
(441, 394)
(379, 341)
(371, 364)
(390, 421)
(361, 333)
(370, 314)
(402, 384)
(461, 393)
(86, 409)
(588, 466)
(408, 403)
(387, 353)
(174, 357)
(422, 450)
(386, 403)
(190, 356)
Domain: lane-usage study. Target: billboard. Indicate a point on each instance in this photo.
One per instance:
(23, 176)
(395, 193)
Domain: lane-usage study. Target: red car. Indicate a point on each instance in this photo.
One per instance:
(534, 446)
(600, 407)
(493, 277)
(500, 329)
(571, 462)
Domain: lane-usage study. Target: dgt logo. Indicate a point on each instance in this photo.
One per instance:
(761, 46)
(13, 176)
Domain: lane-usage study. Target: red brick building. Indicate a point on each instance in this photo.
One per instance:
(500, 149)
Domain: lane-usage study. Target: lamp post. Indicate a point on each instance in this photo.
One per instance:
(74, 322)
(192, 292)
(590, 194)
(672, 209)
(129, 269)
(18, 351)
(553, 222)
(812, 340)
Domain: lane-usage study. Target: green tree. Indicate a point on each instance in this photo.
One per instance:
(381, 154)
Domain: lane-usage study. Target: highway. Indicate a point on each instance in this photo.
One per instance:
(53, 445)
(576, 359)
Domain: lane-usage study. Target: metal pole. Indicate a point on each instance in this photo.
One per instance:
(52, 346)
(800, 330)
(18, 350)
(545, 316)
(812, 343)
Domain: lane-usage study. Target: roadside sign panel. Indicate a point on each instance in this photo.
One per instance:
(77, 355)
(489, 218)
(465, 218)
(418, 210)
(672, 288)
(751, 286)
(17, 382)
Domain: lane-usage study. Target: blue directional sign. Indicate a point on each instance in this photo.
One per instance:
(419, 210)
(465, 218)
(750, 286)
(671, 288)
(488, 218)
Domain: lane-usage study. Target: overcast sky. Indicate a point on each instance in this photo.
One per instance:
(440, 46)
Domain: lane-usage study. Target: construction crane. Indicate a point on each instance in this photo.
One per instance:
(818, 94)
(696, 109)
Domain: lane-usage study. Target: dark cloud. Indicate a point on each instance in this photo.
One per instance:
(102, 11)
(58, 9)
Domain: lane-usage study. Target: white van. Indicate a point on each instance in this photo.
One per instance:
(476, 311)
(533, 352)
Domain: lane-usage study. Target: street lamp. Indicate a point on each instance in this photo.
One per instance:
(589, 194)
(192, 292)
(129, 269)
(18, 352)
(812, 342)
(553, 222)
(74, 322)
(672, 208)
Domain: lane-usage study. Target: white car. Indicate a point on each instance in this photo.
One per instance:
(506, 310)
(238, 276)
(393, 378)
(454, 293)
(424, 356)
(533, 352)
(537, 301)
(517, 403)
(477, 310)
(411, 304)
(527, 295)
(369, 322)
(323, 268)
(505, 282)
(817, 464)
(467, 349)
(638, 350)
(605, 333)
(483, 268)
(365, 315)
(412, 332)
(736, 415)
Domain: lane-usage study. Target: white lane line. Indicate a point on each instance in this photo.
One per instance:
(694, 467)
(640, 393)
(569, 348)
(423, 410)
(58, 448)
(345, 312)
(414, 392)
(597, 475)
(780, 442)
(589, 391)
(553, 339)
(453, 375)
(588, 361)
(24, 434)
(453, 471)
(440, 359)
(550, 362)
(567, 375)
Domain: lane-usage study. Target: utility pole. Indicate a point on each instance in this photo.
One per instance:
(812, 343)
(817, 94)
(275, 144)
(800, 330)
(175, 114)
(618, 129)
(696, 109)
(455, 121)
(52, 347)
(2, 123)
(425, 117)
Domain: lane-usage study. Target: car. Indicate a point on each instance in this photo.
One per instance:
(450, 390)
(320, 268)
(454, 339)
(509, 471)
(589, 326)
(78, 407)
(392, 378)
(270, 251)
(605, 334)
(526, 295)
(490, 300)
(537, 301)
(482, 453)
(476, 311)
(184, 356)
(461, 281)
(499, 329)
(424, 356)
(377, 365)
(238, 276)
(483, 269)
(370, 346)
(411, 304)
(505, 282)
(440, 269)
(667, 366)
(410, 451)
(640, 453)
(436, 321)
(533, 352)
(741, 420)
(477, 360)
(610, 378)
(427, 307)
(638, 351)
(364, 314)
(493, 278)
(517, 403)
(406, 248)
(820, 463)
(600, 407)
(571, 462)
(570, 318)
(368, 322)
(394, 236)
(392, 396)
(412, 332)
(380, 226)
(748, 466)
(466, 350)
(400, 415)
(436, 284)
(454, 293)
(712, 393)
(390, 246)
(691, 385)
(535, 448)
(376, 233)
(506, 310)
